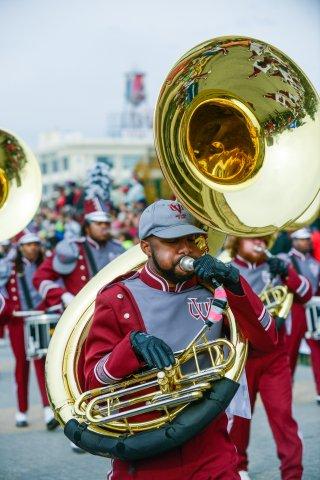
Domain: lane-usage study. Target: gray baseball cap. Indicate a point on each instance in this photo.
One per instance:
(167, 219)
(65, 257)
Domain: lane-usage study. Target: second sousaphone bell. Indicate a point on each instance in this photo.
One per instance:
(20, 185)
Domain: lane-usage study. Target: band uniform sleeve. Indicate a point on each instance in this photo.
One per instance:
(109, 355)
(298, 285)
(45, 281)
(253, 319)
(6, 309)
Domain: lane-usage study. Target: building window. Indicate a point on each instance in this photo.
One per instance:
(55, 166)
(130, 161)
(105, 159)
(44, 168)
(65, 163)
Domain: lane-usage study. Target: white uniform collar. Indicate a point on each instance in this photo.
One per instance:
(93, 243)
(245, 263)
(298, 254)
(26, 261)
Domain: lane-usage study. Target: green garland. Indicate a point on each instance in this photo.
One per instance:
(12, 157)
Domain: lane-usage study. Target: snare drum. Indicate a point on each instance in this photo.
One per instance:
(313, 319)
(38, 332)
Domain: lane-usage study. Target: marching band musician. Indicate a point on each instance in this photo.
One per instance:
(270, 374)
(306, 265)
(61, 276)
(76, 260)
(145, 317)
(18, 294)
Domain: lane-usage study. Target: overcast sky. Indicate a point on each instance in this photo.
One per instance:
(63, 61)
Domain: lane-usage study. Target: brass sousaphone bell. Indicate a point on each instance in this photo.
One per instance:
(237, 136)
(236, 128)
(20, 184)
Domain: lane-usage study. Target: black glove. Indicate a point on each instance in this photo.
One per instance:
(209, 268)
(277, 267)
(154, 351)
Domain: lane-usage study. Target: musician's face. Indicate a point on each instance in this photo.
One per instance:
(31, 250)
(303, 245)
(247, 250)
(164, 256)
(98, 231)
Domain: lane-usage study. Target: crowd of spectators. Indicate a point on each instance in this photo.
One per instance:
(61, 217)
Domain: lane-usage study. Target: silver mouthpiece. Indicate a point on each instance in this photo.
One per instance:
(256, 248)
(186, 263)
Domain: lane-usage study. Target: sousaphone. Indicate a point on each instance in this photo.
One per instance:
(236, 129)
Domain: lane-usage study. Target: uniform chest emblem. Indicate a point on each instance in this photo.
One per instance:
(199, 310)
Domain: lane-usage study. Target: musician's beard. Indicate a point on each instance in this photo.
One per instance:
(171, 274)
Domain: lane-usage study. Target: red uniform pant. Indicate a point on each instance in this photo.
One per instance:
(208, 456)
(293, 343)
(270, 375)
(16, 334)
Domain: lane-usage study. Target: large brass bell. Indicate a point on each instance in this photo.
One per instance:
(237, 136)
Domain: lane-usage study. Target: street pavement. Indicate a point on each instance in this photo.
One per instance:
(34, 454)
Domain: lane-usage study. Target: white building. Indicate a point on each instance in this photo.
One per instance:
(68, 157)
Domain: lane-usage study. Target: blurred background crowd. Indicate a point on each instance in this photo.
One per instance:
(61, 216)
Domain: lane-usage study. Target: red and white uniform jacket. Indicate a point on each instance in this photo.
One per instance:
(144, 302)
(306, 266)
(258, 276)
(12, 297)
(48, 282)
(52, 285)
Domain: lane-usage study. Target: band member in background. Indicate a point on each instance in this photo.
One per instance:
(19, 294)
(75, 261)
(144, 318)
(61, 276)
(270, 374)
(305, 264)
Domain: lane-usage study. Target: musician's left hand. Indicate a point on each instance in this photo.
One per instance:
(277, 267)
(209, 268)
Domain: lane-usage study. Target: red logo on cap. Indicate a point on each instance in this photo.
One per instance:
(176, 207)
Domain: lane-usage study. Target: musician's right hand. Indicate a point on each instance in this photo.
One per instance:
(154, 351)
(209, 268)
